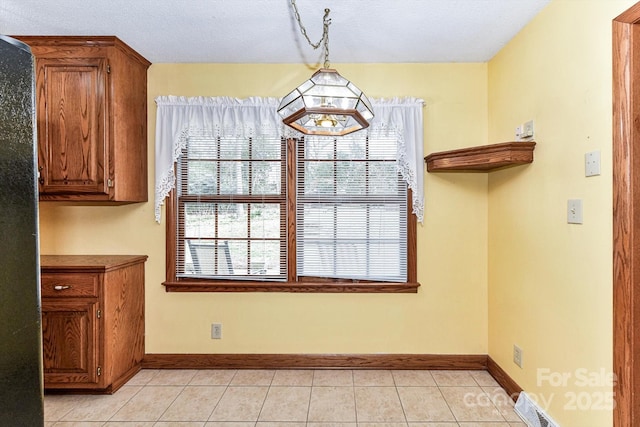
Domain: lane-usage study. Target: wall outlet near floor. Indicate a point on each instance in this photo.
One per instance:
(216, 331)
(517, 355)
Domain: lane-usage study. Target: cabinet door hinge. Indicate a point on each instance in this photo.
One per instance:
(109, 183)
(108, 69)
(99, 371)
(99, 314)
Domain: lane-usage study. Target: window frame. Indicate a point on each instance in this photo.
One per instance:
(302, 284)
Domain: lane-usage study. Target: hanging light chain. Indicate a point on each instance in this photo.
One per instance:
(326, 21)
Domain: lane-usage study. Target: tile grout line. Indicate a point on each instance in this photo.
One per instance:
(266, 396)
(172, 402)
(404, 413)
(226, 387)
(493, 404)
(59, 419)
(476, 384)
(490, 400)
(446, 402)
(313, 377)
(355, 401)
(142, 387)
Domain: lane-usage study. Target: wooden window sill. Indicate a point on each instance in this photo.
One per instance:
(300, 287)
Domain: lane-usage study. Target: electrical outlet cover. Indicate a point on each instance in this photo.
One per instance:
(517, 355)
(519, 133)
(216, 331)
(592, 163)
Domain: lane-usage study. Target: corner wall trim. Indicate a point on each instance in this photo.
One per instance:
(315, 361)
(506, 382)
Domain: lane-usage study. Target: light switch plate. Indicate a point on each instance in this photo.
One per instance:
(574, 211)
(527, 130)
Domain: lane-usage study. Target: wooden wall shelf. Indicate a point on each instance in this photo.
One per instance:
(485, 158)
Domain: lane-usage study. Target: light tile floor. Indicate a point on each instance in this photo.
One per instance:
(292, 398)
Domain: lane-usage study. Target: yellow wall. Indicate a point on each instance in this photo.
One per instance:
(447, 315)
(550, 283)
(498, 263)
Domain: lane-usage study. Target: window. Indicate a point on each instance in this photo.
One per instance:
(351, 206)
(232, 209)
(271, 214)
(251, 208)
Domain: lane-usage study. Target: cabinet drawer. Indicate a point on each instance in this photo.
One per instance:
(66, 285)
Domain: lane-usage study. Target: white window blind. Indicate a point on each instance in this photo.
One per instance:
(351, 210)
(231, 208)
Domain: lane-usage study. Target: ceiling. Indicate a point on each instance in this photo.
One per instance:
(265, 31)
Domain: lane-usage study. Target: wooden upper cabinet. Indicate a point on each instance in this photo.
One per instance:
(91, 95)
(72, 131)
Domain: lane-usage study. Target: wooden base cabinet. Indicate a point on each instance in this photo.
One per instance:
(92, 321)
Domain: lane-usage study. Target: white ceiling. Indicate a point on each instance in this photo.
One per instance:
(264, 31)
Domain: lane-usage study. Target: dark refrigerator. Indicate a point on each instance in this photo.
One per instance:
(21, 395)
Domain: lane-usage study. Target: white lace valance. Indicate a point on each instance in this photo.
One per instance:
(232, 117)
(403, 117)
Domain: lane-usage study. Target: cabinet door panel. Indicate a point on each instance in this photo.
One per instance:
(71, 125)
(70, 342)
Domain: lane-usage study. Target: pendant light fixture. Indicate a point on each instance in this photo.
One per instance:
(327, 103)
